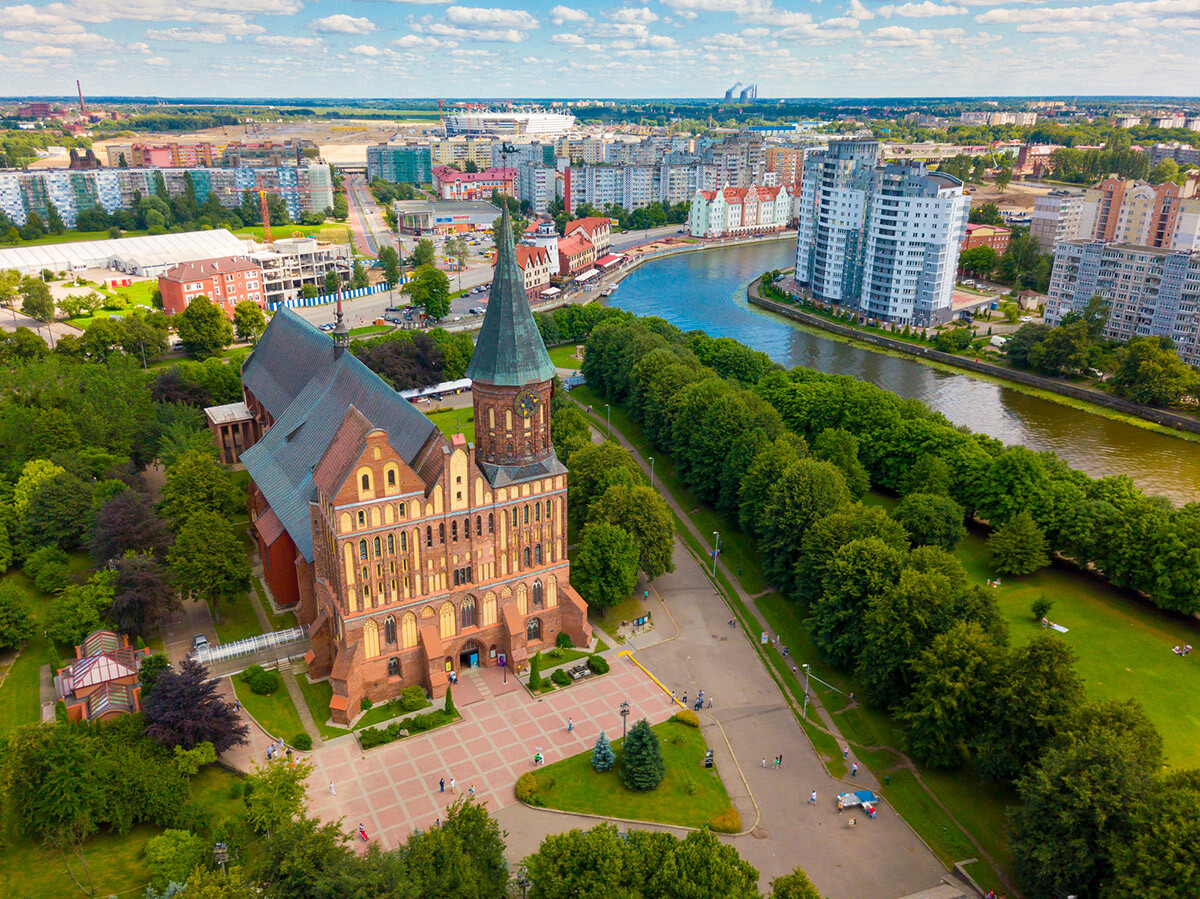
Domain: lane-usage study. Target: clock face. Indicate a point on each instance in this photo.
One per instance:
(526, 403)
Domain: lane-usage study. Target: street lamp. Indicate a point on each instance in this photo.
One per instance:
(608, 416)
(523, 880)
(624, 716)
(804, 714)
(716, 551)
(651, 471)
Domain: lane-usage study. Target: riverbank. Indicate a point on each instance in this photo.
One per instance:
(1071, 395)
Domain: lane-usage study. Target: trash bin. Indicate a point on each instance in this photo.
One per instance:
(708, 758)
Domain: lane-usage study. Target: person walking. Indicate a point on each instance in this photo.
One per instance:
(709, 702)
(570, 725)
(685, 699)
(854, 769)
(442, 785)
(332, 791)
(845, 752)
(452, 785)
(472, 791)
(781, 760)
(764, 764)
(812, 799)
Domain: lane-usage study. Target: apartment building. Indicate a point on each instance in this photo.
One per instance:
(581, 150)
(184, 154)
(536, 269)
(226, 281)
(575, 256)
(635, 186)
(787, 162)
(294, 262)
(740, 159)
(306, 188)
(986, 236)
(452, 184)
(536, 185)
(883, 239)
(739, 211)
(1056, 217)
(400, 164)
(1134, 212)
(534, 153)
(461, 150)
(1183, 154)
(1151, 292)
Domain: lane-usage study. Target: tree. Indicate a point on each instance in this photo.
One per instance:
(931, 520)
(180, 438)
(430, 289)
(985, 214)
(36, 301)
(341, 206)
(571, 432)
(595, 468)
(58, 512)
(1020, 346)
(143, 597)
(34, 474)
(459, 249)
(390, 260)
(979, 261)
(602, 755)
(199, 483)
(808, 490)
(1004, 178)
(605, 565)
(954, 686)
(830, 533)
(186, 709)
(642, 767)
(204, 328)
(151, 669)
(590, 864)
(930, 474)
(1077, 805)
(173, 854)
(79, 609)
(840, 447)
(1150, 372)
(331, 282)
(1065, 351)
(423, 253)
(16, 621)
(1158, 861)
(128, 521)
(646, 516)
(1018, 546)
(358, 276)
(794, 886)
(448, 705)
(701, 865)
(1094, 314)
(535, 671)
(275, 794)
(207, 561)
(859, 570)
(1036, 693)
(248, 320)
(1167, 170)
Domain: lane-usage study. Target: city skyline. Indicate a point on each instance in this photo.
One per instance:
(684, 48)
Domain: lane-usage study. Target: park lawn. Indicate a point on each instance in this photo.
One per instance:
(276, 714)
(331, 232)
(736, 552)
(115, 860)
(564, 357)
(1122, 644)
(238, 620)
(280, 622)
(370, 329)
(689, 795)
(455, 421)
(71, 237)
(316, 697)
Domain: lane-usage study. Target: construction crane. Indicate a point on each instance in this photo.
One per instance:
(82, 108)
(266, 216)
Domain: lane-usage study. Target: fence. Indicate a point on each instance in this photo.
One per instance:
(261, 649)
(331, 297)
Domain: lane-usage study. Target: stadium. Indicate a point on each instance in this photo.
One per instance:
(510, 124)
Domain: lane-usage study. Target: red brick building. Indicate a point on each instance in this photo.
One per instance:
(408, 555)
(226, 281)
(986, 236)
(575, 255)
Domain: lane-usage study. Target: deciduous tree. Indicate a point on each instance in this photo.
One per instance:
(931, 520)
(646, 516)
(128, 521)
(1018, 546)
(808, 490)
(186, 708)
(605, 566)
(16, 621)
(1151, 372)
(430, 289)
(275, 794)
(204, 328)
(207, 561)
(196, 483)
(143, 596)
(860, 570)
(248, 319)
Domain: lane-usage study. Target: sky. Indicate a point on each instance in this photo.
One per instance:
(668, 48)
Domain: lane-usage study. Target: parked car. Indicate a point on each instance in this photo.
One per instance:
(328, 326)
(393, 309)
(394, 319)
(200, 641)
(475, 310)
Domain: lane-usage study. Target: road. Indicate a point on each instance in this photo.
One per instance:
(366, 221)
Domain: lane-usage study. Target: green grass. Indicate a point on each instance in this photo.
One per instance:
(279, 622)
(114, 860)
(689, 795)
(564, 357)
(317, 697)
(334, 232)
(455, 421)
(71, 237)
(370, 329)
(276, 714)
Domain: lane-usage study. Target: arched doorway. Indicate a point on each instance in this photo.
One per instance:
(471, 655)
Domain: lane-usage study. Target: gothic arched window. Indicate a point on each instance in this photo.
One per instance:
(428, 535)
(378, 547)
(527, 557)
(391, 544)
(468, 612)
(389, 627)
(362, 549)
(537, 594)
(393, 667)
(537, 554)
(533, 630)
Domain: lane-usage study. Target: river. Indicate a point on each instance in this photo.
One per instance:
(707, 291)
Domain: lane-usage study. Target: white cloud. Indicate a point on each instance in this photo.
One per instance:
(857, 11)
(366, 50)
(566, 39)
(157, 61)
(1057, 18)
(562, 14)
(77, 38)
(45, 52)
(637, 14)
(287, 41)
(98, 11)
(342, 24)
(924, 10)
(483, 17)
(482, 35)
(424, 42)
(186, 35)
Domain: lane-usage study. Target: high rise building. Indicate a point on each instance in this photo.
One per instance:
(1163, 215)
(400, 164)
(880, 239)
(1055, 218)
(535, 185)
(1151, 292)
(635, 186)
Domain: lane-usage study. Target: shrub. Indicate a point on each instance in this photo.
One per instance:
(264, 683)
(365, 705)
(535, 671)
(1041, 607)
(527, 789)
(194, 817)
(563, 640)
(413, 699)
(47, 555)
(171, 855)
(560, 677)
(554, 653)
(52, 577)
(687, 716)
(235, 790)
(598, 664)
(302, 741)
(451, 711)
(370, 737)
(729, 821)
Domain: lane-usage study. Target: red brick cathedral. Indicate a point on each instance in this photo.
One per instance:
(408, 555)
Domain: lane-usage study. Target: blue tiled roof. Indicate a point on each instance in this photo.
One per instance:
(325, 386)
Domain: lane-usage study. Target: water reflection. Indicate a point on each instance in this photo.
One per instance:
(707, 291)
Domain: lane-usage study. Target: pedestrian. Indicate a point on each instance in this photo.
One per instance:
(570, 725)
(685, 700)
(812, 799)
(332, 791)
(785, 651)
(452, 780)
(437, 822)
(237, 705)
(840, 806)
(781, 760)
(472, 791)
(270, 752)
(701, 694)
(845, 751)
(442, 785)
(764, 761)
(852, 696)
(854, 769)
(853, 821)
(709, 702)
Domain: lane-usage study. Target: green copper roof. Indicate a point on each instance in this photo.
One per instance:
(509, 351)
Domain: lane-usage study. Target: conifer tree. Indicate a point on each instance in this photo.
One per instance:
(602, 756)
(1018, 546)
(450, 710)
(535, 671)
(642, 762)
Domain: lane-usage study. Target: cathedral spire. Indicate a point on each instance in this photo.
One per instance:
(509, 351)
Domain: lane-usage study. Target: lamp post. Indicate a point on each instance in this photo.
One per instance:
(608, 417)
(651, 471)
(624, 716)
(804, 714)
(523, 880)
(716, 551)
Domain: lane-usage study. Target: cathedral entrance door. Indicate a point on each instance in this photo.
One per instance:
(469, 657)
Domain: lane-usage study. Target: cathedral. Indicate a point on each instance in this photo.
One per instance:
(408, 555)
